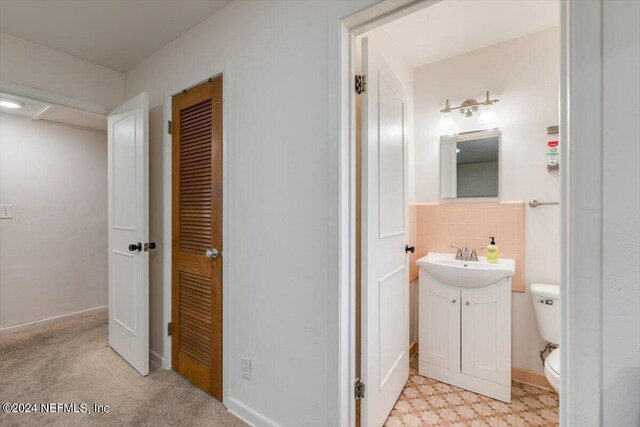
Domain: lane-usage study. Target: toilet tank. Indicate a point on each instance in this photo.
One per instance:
(546, 300)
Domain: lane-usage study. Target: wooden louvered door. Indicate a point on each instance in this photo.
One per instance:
(197, 235)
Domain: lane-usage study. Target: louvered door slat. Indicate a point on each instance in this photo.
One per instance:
(195, 120)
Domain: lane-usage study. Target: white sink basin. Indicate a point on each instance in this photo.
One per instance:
(445, 268)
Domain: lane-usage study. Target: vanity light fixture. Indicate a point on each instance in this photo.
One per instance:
(488, 118)
(446, 126)
(7, 103)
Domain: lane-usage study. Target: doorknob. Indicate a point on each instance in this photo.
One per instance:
(150, 245)
(408, 249)
(135, 247)
(212, 253)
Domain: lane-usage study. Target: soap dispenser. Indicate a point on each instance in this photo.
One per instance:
(492, 251)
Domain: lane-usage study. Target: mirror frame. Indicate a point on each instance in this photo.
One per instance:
(467, 136)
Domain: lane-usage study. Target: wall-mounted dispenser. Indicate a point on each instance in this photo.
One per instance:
(553, 149)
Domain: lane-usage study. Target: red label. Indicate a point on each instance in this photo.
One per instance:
(552, 143)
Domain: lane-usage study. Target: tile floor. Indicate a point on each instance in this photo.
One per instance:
(426, 402)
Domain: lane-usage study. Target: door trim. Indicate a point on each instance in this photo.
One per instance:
(342, 32)
(53, 98)
(167, 221)
(345, 31)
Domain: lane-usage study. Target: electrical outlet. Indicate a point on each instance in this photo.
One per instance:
(245, 367)
(6, 211)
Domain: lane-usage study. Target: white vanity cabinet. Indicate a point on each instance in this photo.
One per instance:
(486, 333)
(439, 318)
(465, 335)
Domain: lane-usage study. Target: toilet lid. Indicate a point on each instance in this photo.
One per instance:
(553, 361)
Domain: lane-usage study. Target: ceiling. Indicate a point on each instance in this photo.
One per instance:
(454, 27)
(42, 111)
(117, 34)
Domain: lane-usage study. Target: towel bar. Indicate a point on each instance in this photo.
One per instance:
(534, 203)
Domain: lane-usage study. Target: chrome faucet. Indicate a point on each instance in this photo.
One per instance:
(464, 254)
(461, 254)
(458, 252)
(474, 254)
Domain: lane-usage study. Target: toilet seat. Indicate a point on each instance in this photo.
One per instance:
(552, 369)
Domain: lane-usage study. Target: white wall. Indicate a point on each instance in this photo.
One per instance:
(283, 207)
(38, 67)
(53, 252)
(601, 369)
(621, 214)
(525, 75)
(157, 127)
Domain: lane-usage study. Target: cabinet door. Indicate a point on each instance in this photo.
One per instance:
(486, 333)
(440, 326)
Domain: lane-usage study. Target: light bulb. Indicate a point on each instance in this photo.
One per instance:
(488, 118)
(446, 126)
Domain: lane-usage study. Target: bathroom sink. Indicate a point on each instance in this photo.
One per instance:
(466, 274)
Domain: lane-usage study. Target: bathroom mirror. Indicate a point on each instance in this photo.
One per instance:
(470, 165)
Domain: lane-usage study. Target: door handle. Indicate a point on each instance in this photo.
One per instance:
(408, 249)
(135, 247)
(211, 253)
(150, 245)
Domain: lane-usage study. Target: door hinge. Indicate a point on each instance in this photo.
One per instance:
(169, 127)
(361, 84)
(359, 389)
(169, 328)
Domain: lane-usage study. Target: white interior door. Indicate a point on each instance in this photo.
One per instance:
(385, 279)
(129, 232)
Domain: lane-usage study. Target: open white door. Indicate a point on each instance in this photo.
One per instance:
(385, 278)
(128, 136)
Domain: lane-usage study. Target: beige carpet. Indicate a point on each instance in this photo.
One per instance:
(71, 362)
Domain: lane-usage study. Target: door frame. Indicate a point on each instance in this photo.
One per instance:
(580, 198)
(347, 31)
(53, 98)
(167, 219)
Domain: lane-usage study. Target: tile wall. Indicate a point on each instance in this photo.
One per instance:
(433, 227)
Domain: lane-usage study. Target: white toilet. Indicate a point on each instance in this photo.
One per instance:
(546, 300)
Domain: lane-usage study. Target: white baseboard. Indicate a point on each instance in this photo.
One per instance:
(247, 414)
(55, 319)
(156, 358)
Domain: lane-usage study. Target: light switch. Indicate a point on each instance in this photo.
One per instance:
(6, 211)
